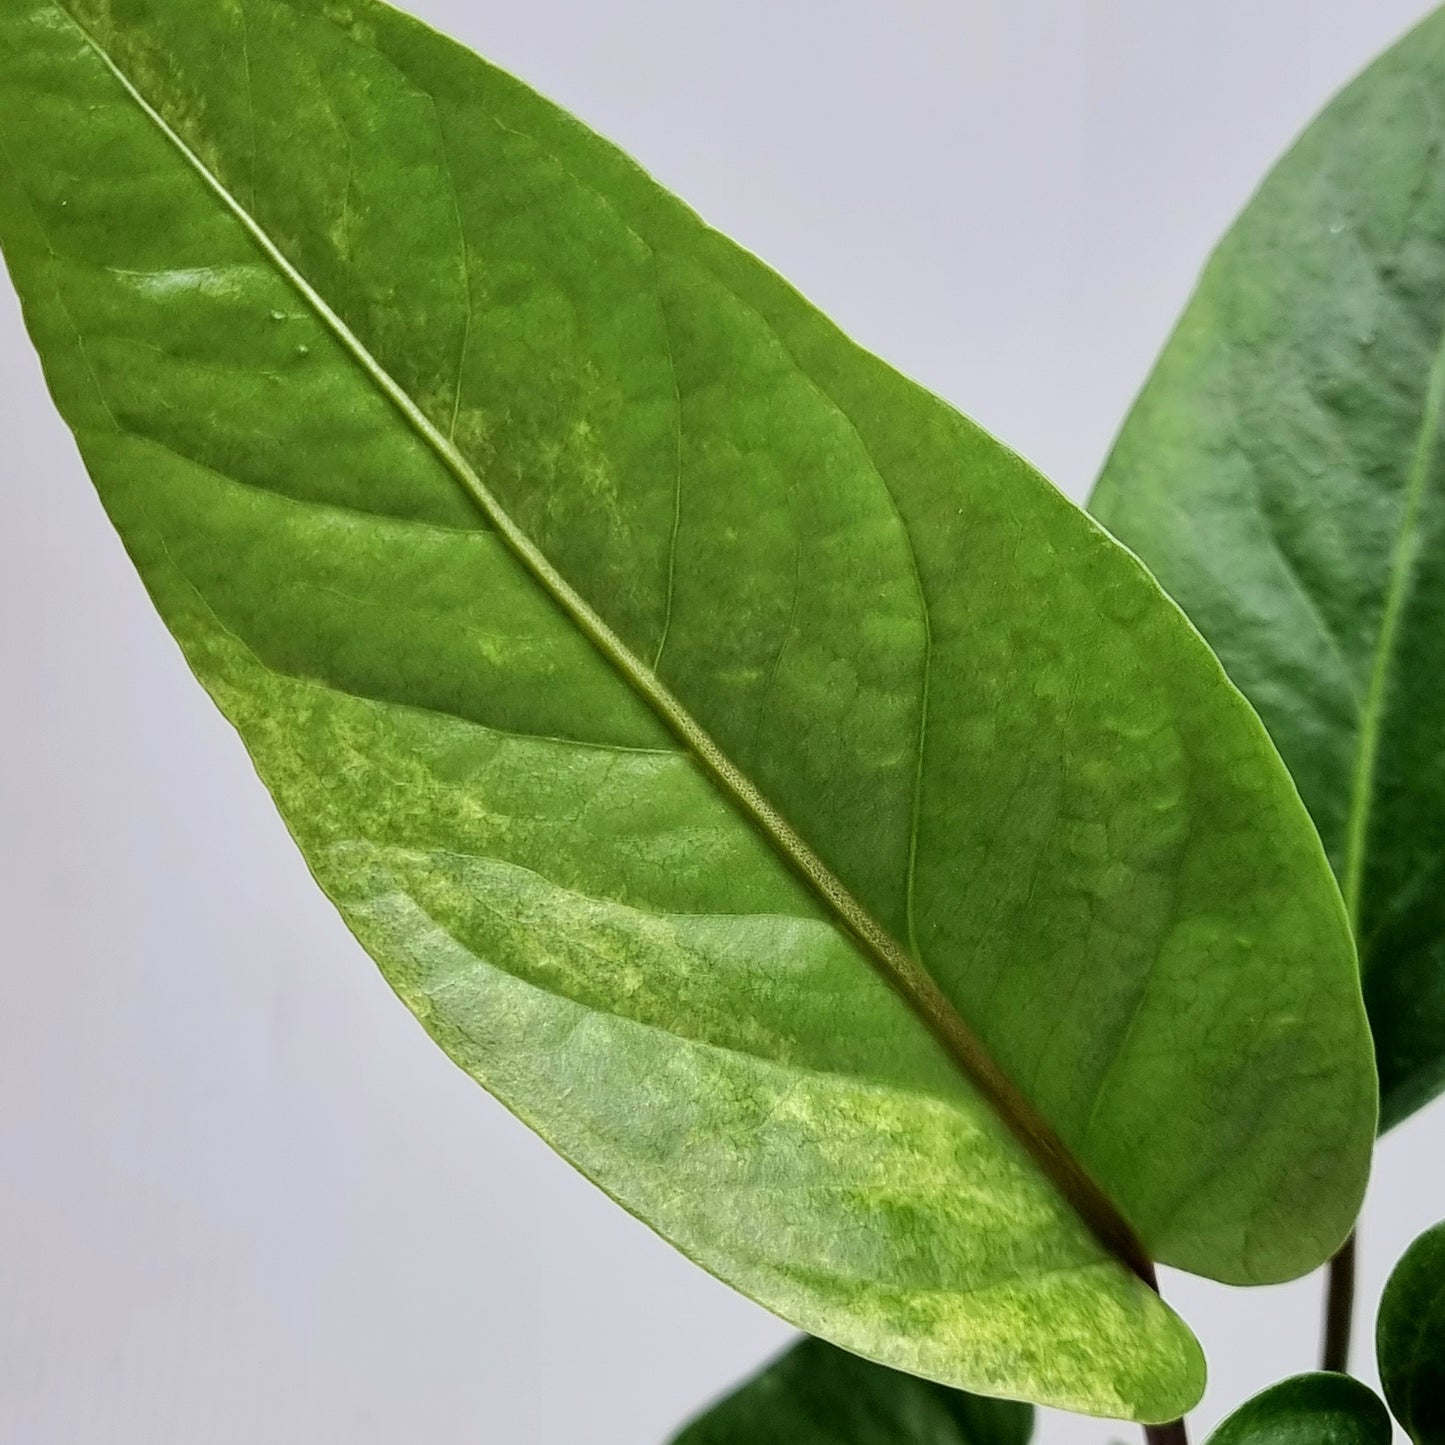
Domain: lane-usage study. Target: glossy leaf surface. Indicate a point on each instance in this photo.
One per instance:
(1309, 1410)
(1283, 475)
(1410, 1339)
(727, 751)
(818, 1395)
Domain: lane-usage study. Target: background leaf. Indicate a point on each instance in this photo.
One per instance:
(1282, 474)
(815, 1394)
(1410, 1338)
(476, 477)
(1309, 1410)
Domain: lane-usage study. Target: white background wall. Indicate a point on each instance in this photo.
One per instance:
(243, 1201)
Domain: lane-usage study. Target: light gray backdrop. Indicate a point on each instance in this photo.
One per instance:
(243, 1201)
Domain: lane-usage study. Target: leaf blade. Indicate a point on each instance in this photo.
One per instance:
(896, 962)
(1410, 1338)
(814, 1394)
(1281, 475)
(1318, 1409)
(380, 649)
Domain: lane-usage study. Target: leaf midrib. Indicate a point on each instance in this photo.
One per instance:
(902, 969)
(1402, 561)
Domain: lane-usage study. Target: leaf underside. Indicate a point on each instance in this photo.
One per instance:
(1283, 475)
(395, 381)
(815, 1394)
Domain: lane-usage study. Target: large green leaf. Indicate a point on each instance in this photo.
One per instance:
(758, 778)
(1283, 476)
(818, 1395)
(1410, 1339)
(1309, 1410)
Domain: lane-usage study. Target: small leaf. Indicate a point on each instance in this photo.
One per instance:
(1410, 1339)
(758, 778)
(818, 1395)
(1309, 1410)
(1283, 475)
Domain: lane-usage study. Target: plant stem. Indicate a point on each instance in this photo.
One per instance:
(1173, 1433)
(1339, 1309)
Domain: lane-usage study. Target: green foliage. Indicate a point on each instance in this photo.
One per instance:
(1410, 1339)
(1309, 1410)
(758, 778)
(1282, 474)
(817, 1395)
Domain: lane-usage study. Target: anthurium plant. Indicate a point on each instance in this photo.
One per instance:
(924, 910)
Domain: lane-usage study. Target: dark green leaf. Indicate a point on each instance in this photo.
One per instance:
(1410, 1339)
(818, 1395)
(1309, 1410)
(1282, 474)
(549, 553)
